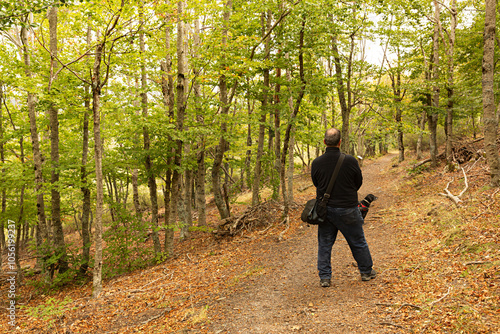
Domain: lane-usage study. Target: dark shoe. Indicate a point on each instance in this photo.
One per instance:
(368, 276)
(324, 282)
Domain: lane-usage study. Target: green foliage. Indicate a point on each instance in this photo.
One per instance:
(418, 170)
(48, 311)
(125, 243)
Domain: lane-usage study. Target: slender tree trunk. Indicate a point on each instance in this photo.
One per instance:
(451, 83)
(18, 227)
(41, 236)
(263, 110)
(344, 108)
(83, 177)
(135, 171)
(223, 143)
(248, 157)
(185, 206)
(169, 102)
(427, 105)
(201, 205)
(286, 139)
(280, 181)
(291, 158)
(153, 195)
(433, 117)
(98, 153)
(85, 191)
(181, 108)
(277, 140)
(135, 191)
(490, 117)
(291, 167)
(396, 89)
(60, 247)
(2, 175)
(421, 134)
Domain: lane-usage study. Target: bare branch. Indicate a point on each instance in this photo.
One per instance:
(443, 297)
(456, 199)
(283, 15)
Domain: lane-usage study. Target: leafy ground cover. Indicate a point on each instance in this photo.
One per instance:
(446, 278)
(438, 264)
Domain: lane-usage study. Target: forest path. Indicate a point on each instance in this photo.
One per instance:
(286, 297)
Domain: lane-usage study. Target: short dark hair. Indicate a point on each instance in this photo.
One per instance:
(332, 137)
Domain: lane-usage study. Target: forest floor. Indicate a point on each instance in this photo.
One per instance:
(438, 270)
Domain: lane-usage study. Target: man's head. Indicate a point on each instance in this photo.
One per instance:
(332, 137)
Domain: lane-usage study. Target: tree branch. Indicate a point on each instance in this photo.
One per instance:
(456, 199)
(283, 15)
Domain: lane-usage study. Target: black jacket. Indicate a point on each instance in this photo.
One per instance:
(349, 179)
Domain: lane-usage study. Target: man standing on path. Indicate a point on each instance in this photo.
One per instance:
(343, 213)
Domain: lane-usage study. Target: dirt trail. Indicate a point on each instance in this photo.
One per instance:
(287, 298)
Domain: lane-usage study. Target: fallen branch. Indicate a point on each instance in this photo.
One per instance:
(476, 262)
(159, 315)
(387, 323)
(150, 283)
(442, 155)
(443, 297)
(408, 305)
(453, 198)
(400, 306)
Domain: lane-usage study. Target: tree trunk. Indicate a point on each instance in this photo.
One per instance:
(433, 117)
(291, 160)
(85, 191)
(396, 89)
(277, 140)
(181, 108)
(60, 247)
(185, 206)
(135, 171)
(3, 205)
(4, 192)
(451, 83)
(223, 143)
(263, 110)
(170, 201)
(98, 152)
(421, 134)
(41, 235)
(201, 205)
(286, 139)
(490, 117)
(248, 157)
(153, 195)
(18, 226)
(291, 167)
(344, 108)
(83, 177)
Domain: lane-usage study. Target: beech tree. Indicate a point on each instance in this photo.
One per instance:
(490, 117)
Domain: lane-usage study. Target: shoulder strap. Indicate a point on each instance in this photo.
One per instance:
(334, 176)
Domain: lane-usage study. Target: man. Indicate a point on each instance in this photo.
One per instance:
(343, 213)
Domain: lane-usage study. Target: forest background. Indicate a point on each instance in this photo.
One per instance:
(115, 115)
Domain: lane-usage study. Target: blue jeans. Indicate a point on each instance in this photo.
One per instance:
(350, 222)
